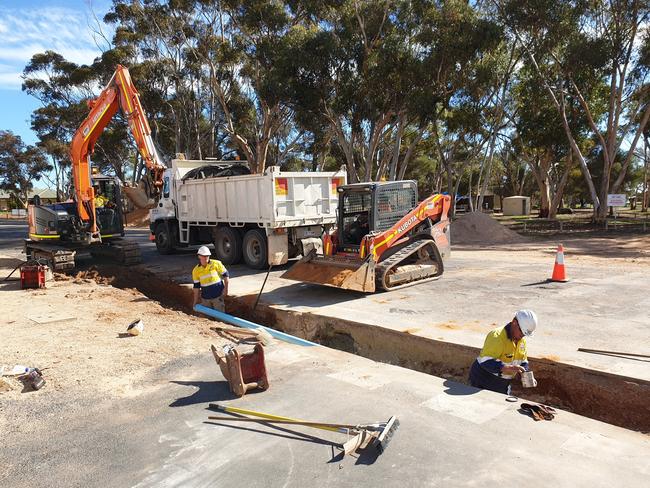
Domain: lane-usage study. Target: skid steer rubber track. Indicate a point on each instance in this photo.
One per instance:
(416, 262)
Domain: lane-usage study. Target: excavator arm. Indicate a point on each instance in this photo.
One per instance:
(119, 93)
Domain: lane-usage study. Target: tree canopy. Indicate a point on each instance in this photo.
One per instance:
(544, 96)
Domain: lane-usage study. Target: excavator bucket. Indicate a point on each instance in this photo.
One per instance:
(335, 271)
(138, 196)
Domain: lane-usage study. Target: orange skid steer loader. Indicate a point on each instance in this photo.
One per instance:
(384, 239)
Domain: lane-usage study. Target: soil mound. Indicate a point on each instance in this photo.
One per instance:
(138, 218)
(479, 228)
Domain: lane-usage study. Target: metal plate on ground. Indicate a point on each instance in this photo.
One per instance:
(50, 318)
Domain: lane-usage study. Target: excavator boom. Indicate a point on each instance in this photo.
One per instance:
(119, 93)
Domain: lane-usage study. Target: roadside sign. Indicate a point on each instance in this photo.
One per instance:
(616, 200)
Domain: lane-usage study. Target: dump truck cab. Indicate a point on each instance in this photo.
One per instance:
(373, 207)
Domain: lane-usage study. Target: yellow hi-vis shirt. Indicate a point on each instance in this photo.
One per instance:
(209, 278)
(499, 350)
(100, 201)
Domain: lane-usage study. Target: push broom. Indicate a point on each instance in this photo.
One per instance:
(376, 435)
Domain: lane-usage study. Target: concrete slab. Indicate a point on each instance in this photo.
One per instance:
(450, 434)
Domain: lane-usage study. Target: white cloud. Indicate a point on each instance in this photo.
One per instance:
(26, 32)
(11, 80)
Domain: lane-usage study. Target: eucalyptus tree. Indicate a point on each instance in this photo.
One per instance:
(20, 166)
(380, 72)
(575, 46)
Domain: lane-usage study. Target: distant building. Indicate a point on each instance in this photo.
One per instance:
(7, 200)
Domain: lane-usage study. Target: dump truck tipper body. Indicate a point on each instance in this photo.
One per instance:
(261, 219)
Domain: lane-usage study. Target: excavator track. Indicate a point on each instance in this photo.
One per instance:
(416, 262)
(58, 258)
(61, 258)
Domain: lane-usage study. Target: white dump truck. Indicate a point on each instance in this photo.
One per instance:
(261, 218)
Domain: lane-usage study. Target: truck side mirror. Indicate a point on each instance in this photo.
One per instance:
(166, 187)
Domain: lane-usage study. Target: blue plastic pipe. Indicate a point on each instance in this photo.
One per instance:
(252, 325)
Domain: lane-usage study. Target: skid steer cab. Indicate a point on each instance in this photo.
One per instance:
(384, 239)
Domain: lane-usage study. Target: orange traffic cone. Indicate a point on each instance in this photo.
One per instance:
(559, 274)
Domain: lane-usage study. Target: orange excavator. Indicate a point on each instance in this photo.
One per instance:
(94, 219)
(384, 239)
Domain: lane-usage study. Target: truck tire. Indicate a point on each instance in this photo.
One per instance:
(256, 249)
(227, 245)
(164, 239)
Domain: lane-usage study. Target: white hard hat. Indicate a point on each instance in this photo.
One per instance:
(204, 251)
(527, 321)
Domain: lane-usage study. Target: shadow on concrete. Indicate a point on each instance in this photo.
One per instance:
(282, 432)
(367, 456)
(459, 389)
(308, 295)
(543, 282)
(208, 391)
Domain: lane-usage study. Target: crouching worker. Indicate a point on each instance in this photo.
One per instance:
(210, 278)
(504, 354)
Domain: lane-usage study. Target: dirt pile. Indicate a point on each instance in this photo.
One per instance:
(479, 228)
(138, 218)
(91, 275)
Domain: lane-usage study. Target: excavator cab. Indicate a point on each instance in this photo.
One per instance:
(384, 239)
(108, 206)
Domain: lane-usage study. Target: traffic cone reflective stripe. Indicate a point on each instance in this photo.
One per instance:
(559, 273)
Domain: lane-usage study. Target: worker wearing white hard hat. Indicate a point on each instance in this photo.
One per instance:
(210, 279)
(504, 354)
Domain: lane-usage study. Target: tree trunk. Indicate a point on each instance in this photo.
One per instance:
(556, 201)
(401, 122)
(644, 205)
(469, 186)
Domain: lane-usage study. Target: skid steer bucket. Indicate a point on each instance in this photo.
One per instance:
(336, 271)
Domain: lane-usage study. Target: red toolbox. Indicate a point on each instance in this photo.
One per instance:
(32, 276)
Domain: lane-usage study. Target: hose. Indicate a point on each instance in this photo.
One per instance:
(29, 261)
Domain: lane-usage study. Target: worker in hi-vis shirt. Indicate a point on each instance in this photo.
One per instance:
(504, 354)
(210, 279)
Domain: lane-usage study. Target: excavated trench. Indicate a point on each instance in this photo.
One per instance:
(614, 399)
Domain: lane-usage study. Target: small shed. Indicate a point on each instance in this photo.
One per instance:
(517, 205)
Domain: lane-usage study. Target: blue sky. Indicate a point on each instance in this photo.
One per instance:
(28, 27)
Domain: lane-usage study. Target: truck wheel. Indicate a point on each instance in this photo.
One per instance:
(227, 245)
(164, 241)
(256, 249)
